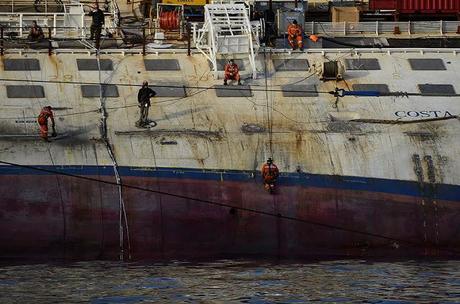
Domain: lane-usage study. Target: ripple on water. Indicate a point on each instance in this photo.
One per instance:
(232, 281)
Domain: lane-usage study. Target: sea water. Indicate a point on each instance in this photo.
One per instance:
(232, 281)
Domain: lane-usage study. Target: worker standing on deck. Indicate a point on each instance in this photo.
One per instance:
(295, 37)
(231, 72)
(143, 97)
(270, 174)
(98, 21)
(45, 114)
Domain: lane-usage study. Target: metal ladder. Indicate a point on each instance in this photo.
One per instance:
(227, 30)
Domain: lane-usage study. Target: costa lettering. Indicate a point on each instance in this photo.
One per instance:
(422, 114)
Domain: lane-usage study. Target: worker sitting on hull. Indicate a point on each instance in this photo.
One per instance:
(270, 174)
(45, 114)
(295, 37)
(231, 72)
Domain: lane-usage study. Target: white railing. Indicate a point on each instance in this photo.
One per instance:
(63, 25)
(378, 28)
(115, 12)
(19, 23)
(72, 23)
(44, 6)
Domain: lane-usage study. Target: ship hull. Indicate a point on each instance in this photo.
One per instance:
(55, 216)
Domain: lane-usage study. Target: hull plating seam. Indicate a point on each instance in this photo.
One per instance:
(443, 191)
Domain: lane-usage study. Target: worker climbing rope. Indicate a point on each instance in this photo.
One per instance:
(270, 174)
(232, 72)
(295, 36)
(45, 114)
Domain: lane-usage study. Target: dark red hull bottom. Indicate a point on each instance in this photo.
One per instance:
(51, 216)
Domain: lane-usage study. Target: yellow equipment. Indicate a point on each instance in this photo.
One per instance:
(186, 2)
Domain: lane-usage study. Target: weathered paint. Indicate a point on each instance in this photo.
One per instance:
(64, 217)
(393, 179)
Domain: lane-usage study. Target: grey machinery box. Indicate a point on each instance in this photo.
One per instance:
(284, 17)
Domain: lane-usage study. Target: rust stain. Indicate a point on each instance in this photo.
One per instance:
(298, 142)
(55, 62)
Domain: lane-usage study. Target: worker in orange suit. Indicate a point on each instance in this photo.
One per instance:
(45, 114)
(231, 72)
(270, 174)
(295, 37)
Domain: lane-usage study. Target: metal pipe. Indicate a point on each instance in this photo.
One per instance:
(54, 24)
(1, 41)
(143, 41)
(50, 46)
(189, 32)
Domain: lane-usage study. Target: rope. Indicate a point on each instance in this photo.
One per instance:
(122, 210)
(269, 112)
(58, 182)
(169, 20)
(237, 88)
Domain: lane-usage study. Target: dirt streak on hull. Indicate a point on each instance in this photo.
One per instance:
(54, 216)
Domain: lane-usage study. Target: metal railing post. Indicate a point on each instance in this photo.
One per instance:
(377, 28)
(189, 34)
(50, 46)
(1, 41)
(55, 24)
(83, 27)
(20, 25)
(143, 41)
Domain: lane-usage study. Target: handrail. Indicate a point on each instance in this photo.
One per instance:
(378, 28)
(35, 4)
(72, 18)
(65, 23)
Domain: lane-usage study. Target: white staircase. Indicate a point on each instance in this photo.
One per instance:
(227, 31)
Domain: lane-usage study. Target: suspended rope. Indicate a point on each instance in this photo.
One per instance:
(268, 108)
(122, 209)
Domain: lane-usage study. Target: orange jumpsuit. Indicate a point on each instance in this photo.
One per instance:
(232, 72)
(43, 121)
(295, 36)
(270, 173)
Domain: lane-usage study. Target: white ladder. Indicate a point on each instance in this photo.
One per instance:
(227, 31)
